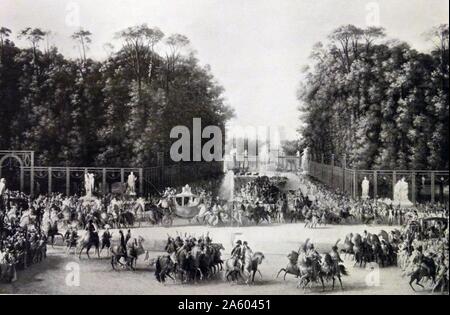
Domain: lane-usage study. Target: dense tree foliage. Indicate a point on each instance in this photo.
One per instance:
(377, 101)
(115, 112)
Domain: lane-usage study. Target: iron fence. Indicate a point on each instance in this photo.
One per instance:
(423, 185)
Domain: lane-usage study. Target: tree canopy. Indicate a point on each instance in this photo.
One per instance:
(115, 112)
(377, 101)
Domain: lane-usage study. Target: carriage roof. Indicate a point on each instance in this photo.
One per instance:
(184, 194)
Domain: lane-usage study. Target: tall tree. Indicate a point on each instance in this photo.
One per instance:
(383, 105)
(83, 39)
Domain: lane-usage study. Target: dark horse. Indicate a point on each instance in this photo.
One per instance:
(427, 269)
(332, 271)
(188, 266)
(258, 214)
(310, 272)
(164, 268)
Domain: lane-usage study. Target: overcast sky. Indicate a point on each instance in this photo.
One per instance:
(256, 48)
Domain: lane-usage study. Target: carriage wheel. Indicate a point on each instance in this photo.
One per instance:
(167, 221)
(139, 219)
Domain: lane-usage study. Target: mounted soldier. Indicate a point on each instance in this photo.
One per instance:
(91, 228)
(336, 258)
(236, 252)
(123, 245)
(106, 238)
(171, 249)
(315, 258)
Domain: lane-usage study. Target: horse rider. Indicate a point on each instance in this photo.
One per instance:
(128, 236)
(236, 252)
(123, 245)
(178, 242)
(186, 246)
(106, 238)
(365, 237)
(171, 249)
(67, 234)
(336, 258)
(420, 260)
(91, 228)
(71, 237)
(315, 258)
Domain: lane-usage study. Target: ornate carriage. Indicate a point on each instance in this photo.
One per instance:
(186, 204)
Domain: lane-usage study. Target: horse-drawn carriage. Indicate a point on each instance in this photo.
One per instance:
(184, 205)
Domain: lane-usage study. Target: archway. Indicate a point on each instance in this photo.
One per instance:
(12, 168)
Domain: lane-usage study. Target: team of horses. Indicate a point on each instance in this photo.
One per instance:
(202, 262)
(118, 215)
(190, 264)
(371, 248)
(310, 270)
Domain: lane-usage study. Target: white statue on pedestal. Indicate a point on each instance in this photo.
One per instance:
(92, 182)
(401, 193)
(89, 183)
(305, 161)
(131, 182)
(365, 188)
(2, 186)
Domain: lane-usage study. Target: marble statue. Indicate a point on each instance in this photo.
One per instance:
(92, 182)
(2, 186)
(401, 193)
(365, 188)
(131, 182)
(89, 183)
(305, 161)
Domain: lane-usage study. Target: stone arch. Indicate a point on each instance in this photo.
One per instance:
(21, 165)
(26, 162)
